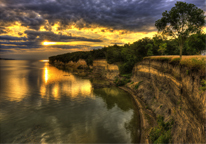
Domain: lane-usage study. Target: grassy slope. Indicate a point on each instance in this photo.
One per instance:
(197, 62)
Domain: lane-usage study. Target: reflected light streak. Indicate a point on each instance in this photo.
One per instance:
(46, 74)
(64, 82)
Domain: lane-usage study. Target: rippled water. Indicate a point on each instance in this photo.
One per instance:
(39, 103)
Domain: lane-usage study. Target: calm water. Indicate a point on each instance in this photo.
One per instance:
(39, 103)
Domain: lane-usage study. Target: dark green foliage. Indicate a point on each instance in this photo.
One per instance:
(164, 138)
(162, 132)
(195, 43)
(150, 48)
(181, 21)
(184, 20)
(121, 81)
(203, 83)
(127, 75)
(154, 134)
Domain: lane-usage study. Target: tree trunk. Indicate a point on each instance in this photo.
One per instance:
(181, 47)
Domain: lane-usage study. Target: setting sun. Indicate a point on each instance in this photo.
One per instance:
(49, 43)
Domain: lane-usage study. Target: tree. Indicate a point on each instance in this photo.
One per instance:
(195, 43)
(149, 51)
(162, 48)
(181, 21)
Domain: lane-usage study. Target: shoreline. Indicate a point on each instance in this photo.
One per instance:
(144, 126)
(142, 110)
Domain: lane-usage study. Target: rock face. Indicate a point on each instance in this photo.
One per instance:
(173, 92)
(105, 70)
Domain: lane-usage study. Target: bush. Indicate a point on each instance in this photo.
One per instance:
(154, 134)
(126, 67)
(137, 85)
(161, 133)
(164, 138)
(121, 81)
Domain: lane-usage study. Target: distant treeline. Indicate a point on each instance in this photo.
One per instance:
(129, 54)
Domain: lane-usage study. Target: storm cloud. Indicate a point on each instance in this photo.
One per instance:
(51, 36)
(132, 15)
(89, 24)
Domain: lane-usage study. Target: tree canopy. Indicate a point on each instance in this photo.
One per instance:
(181, 21)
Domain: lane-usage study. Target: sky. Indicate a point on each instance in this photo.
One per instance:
(37, 29)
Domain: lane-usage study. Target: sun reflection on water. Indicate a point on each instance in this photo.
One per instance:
(46, 74)
(58, 82)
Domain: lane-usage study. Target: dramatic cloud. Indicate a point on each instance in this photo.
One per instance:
(51, 36)
(125, 14)
(81, 24)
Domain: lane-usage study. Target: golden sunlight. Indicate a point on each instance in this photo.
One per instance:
(49, 43)
(44, 60)
(68, 43)
(46, 74)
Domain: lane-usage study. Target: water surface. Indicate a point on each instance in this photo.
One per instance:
(39, 103)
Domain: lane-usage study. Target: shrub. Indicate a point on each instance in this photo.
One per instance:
(203, 88)
(121, 81)
(137, 85)
(164, 138)
(154, 134)
(161, 133)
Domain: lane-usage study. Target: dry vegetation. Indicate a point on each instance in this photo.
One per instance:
(197, 62)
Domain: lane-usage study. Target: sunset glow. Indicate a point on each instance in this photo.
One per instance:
(28, 33)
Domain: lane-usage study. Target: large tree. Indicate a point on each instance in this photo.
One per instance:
(181, 21)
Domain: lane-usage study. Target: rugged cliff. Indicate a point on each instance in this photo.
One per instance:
(165, 89)
(108, 71)
(174, 93)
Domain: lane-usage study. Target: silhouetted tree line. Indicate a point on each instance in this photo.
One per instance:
(129, 54)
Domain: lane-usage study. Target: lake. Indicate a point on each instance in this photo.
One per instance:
(42, 104)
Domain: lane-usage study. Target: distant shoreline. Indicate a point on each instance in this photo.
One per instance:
(6, 59)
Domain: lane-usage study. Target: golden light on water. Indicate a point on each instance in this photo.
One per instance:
(44, 60)
(46, 74)
(63, 82)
